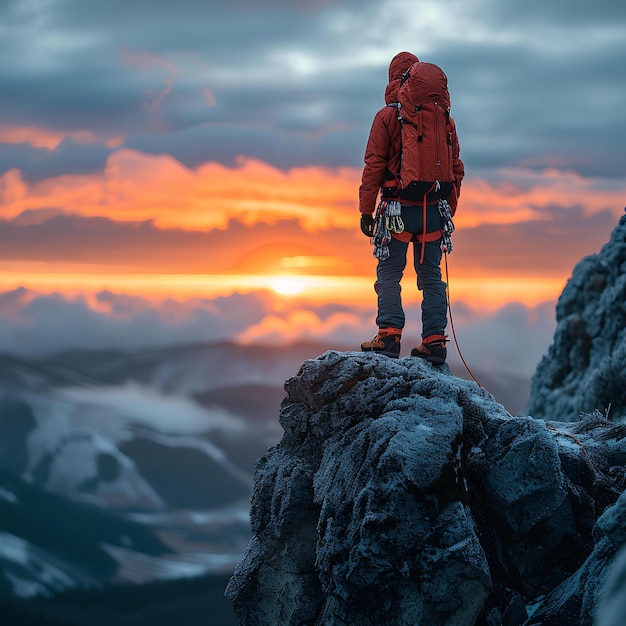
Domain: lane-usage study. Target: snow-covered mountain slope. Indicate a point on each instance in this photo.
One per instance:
(137, 439)
(120, 446)
(49, 543)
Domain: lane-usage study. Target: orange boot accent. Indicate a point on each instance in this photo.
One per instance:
(385, 332)
(386, 341)
(432, 349)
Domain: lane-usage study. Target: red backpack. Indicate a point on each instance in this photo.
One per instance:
(424, 112)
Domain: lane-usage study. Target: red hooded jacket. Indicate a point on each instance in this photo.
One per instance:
(384, 146)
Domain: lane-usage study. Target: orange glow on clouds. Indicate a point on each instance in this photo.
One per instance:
(44, 138)
(148, 62)
(506, 203)
(314, 255)
(139, 187)
(300, 324)
(486, 293)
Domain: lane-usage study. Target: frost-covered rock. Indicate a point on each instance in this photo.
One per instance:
(585, 367)
(401, 494)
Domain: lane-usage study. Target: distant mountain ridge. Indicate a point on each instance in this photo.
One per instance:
(203, 368)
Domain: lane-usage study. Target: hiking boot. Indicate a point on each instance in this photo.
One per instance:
(432, 349)
(386, 341)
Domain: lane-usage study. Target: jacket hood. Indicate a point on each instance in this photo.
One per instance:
(399, 64)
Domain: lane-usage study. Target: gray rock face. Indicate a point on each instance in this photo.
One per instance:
(585, 367)
(403, 495)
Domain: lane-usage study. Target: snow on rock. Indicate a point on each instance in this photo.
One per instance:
(401, 494)
(585, 367)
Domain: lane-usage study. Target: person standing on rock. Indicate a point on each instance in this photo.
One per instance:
(413, 160)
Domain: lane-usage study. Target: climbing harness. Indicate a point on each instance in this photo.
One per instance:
(388, 220)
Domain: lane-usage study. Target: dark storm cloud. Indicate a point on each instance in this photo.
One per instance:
(564, 12)
(523, 105)
(69, 157)
(38, 236)
(47, 236)
(534, 84)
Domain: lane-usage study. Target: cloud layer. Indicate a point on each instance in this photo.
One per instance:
(150, 139)
(36, 325)
(298, 83)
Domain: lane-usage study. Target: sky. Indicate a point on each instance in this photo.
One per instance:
(176, 172)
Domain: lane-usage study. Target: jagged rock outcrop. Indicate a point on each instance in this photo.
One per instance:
(585, 367)
(403, 495)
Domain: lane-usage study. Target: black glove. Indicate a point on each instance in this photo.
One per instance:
(367, 225)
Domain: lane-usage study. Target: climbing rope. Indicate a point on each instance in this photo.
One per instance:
(456, 343)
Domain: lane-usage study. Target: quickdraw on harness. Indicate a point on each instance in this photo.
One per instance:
(448, 226)
(387, 220)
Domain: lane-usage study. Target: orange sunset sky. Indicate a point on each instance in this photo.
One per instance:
(167, 184)
(204, 232)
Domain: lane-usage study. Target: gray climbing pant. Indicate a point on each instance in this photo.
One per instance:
(390, 271)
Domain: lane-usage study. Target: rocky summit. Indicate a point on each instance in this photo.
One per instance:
(403, 495)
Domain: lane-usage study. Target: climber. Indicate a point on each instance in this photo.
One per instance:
(412, 159)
